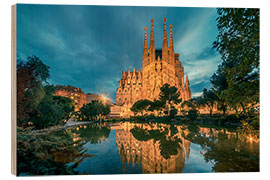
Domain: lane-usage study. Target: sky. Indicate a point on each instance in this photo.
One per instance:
(89, 46)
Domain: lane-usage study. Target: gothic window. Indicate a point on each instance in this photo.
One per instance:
(120, 90)
(125, 99)
(125, 90)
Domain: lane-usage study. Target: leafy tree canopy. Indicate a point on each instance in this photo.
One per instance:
(140, 106)
(94, 110)
(237, 78)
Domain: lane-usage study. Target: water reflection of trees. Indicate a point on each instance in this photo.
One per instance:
(75, 153)
(56, 152)
(233, 154)
(227, 151)
(47, 153)
(169, 142)
(81, 135)
(93, 133)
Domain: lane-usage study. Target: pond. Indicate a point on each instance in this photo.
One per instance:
(135, 148)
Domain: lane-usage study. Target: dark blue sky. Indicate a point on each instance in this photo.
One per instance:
(89, 46)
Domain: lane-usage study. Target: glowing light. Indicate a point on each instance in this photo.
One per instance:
(104, 98)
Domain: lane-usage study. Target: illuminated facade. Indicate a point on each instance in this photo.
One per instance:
(73, 93)
(159, 66)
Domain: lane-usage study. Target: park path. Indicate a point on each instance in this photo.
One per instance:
(71, 122)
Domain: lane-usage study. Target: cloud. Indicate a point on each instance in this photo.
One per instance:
(89, 46)
(197, 94)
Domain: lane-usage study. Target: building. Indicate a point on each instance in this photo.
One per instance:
(75, 94)
(159, 66)
(90, 97)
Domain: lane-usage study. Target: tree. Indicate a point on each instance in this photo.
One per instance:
(36, 104)
(208, 100)
(30, 78)
(52, 110)
(140, 106)
(157, 106)
(94, 110)
(238, 45)
(169, 95)
(219, 83)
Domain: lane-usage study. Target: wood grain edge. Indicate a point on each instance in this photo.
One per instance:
(13, 90)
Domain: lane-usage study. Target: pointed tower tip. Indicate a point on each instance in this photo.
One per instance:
(145, 28)
(165, 43)
(171, 39)
(152, 20)
(187, 80)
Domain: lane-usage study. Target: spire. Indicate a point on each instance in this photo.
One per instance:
(145, 49)
(187, 81)
(171, 37)
(171, 46)
(120, 84)
(145, 39)
(183, 81)
(152, 42)
(165, 43)
(134, 73)
(139, 74)
(128, 71)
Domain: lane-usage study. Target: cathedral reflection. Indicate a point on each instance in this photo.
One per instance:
(159, 148)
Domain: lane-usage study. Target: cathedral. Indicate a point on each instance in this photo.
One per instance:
(159, 66)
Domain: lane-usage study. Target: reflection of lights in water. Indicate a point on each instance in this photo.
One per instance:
(77, 128)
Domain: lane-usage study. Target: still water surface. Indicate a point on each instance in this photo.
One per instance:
(135, 148)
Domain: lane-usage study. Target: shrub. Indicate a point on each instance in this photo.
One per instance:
(193, 114)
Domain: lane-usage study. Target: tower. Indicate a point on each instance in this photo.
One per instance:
(159, 66)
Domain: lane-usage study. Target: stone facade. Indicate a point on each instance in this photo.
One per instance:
(159, 66)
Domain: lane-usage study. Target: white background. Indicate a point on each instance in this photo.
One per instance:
(5, 95)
